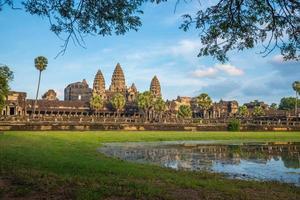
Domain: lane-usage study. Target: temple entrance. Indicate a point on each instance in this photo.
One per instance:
(11, 110)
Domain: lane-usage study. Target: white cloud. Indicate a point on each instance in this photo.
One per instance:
(60, 93)
(211, 71)
(277, 59)
(185, 47)
(228, 69)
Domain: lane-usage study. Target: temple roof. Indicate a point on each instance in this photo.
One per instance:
(118, 80)
(83, 84)
(155, 87)
(99, 82)
(133, 86)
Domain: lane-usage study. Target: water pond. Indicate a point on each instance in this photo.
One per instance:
(273, 161)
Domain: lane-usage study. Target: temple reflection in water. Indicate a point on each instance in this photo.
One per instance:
(283, 158)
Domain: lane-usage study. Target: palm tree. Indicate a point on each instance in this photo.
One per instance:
(159, 106)
(258, 111)
(96, 102)
(184, 111)
(204, 102)
(296, 87)
(40, 64)
(118, 102)
(145, 102)
(243, 111)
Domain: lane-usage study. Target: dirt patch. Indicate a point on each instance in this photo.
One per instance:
(11, 189)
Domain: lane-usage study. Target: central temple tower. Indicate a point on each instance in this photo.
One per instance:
(118, 80)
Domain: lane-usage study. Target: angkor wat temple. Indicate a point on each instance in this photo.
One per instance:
(77, 97)
(76, 106)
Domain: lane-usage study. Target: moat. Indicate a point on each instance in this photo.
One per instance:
(273, 161)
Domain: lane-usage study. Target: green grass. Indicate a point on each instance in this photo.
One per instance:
(66, 165)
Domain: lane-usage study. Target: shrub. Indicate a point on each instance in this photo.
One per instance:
(234, 125)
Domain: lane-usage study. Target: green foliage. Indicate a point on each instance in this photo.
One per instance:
(70, 19)
(145, 100)
(159, 105)
(288, 103)
(223, 25)
(256, 102)
(96, 102)
(118, 101)
(243, 111)
(258, 111)
(40, 63)
(274, 106)
(184, 111)
(204, 101)
(234, 125)
(296, 86)
(239, 24)
(5, 76)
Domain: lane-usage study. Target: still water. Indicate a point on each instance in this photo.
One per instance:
(273, 161)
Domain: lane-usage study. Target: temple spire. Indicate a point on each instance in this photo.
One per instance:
(118, 80)
(155, 87)
(99, 83)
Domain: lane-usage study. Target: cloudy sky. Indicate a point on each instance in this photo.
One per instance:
(158, 48)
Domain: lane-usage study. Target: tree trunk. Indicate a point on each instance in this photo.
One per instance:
(37, 93)
(296, 104)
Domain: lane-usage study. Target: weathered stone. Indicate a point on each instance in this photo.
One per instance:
(99, 83)
(118, 80)
(50, 95)
(78, 91)
(155, 87)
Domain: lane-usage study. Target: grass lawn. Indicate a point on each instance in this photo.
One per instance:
(66, 165)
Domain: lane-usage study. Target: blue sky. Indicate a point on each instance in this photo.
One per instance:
(158, 48)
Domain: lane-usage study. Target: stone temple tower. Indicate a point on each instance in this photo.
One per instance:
(132, 93)
(99, 83)
(118, 80)
(155, 87)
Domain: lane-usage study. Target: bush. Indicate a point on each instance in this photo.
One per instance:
(234, 125)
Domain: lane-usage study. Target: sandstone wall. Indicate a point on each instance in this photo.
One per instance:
(79, 126)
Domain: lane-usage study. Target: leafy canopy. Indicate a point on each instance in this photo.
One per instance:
(274, 106)
(258, 111)
(296, 86)
(40, 63)
(223, 26)
(244, 24)
(5, 76)
(73, 19)
(159, 105)
(118, 101)
(96, 102)
(288, 103)
(145, 100)
(184, 111)
(204, 101)
(243, 111)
